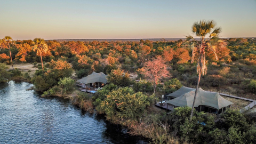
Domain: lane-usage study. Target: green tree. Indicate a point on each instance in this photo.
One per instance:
(67, 85)
(124, 103)
(119, 77)
(201, 29)
(172, 85)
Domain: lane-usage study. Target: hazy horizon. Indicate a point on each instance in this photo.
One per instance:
(115, 19)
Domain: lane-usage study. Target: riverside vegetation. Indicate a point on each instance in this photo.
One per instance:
(130, 103)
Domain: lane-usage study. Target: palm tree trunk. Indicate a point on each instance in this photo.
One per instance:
(198, 79)
(155, 90)
(42, 61)
(11, 56)
(197, 87)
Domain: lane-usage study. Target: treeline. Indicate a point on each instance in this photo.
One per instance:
(236, 55)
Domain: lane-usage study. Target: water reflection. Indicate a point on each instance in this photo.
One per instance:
(25, 117)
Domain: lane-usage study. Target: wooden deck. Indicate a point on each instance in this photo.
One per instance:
(164, 106)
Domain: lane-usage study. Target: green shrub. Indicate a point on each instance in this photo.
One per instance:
(101, 96)
(119, 77)
(172, 85)
(52, 91)
(15, 72)
(45, 80)
(35, 64)
(252, 86)
(82, 72)
(27, 76)
(143, 86)
(66, 84)
(232, 118)
(4, 74)
(39, 66)
(124, 103)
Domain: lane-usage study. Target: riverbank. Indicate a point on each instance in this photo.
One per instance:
(135, 111)
(26, 117)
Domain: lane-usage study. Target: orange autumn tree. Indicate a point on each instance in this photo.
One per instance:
(23, 51)
(84, 60)
(53, 45)
(41, 48)
(181, 55)
(221, 50)
(3, 56)
(133, 55)
(59, 64)
(145, 50)
(168, 54)
(111, 60)
(77, 47)
(155, 70)
(7, 43)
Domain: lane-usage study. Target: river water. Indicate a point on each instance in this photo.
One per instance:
(25, 117)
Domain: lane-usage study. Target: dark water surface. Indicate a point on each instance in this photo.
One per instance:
(25, 117)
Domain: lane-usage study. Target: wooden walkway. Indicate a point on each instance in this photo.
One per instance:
(164, 106)
(251, 105)
(236, 97)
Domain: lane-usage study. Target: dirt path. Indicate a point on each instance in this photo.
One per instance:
(25, 67)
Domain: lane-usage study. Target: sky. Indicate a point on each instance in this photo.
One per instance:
(123, 19)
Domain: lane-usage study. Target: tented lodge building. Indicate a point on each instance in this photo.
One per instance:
(205, 100)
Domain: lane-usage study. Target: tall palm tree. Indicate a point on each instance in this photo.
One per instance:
(8, 41)
(201, 29)
(41, 48)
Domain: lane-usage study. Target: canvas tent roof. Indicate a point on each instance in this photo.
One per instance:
(206, 98)
(180, 92)
(94, 77)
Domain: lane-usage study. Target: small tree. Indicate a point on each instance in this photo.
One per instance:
(67, 85)
(155, 70)
(41, 48)
(172, 85)
(119, 77)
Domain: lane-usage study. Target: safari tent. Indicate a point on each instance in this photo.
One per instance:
(96, 79)
(205, 100)
(180, 92)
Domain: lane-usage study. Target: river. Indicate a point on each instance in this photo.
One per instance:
(25, 117)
